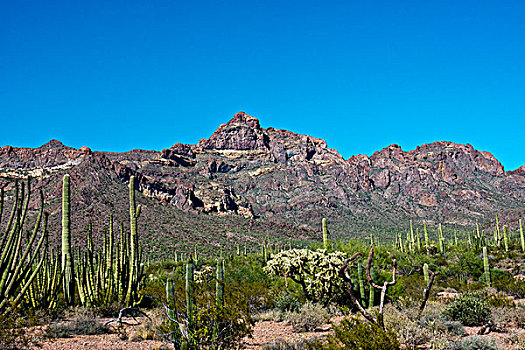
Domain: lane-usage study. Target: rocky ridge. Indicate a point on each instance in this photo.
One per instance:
(278, 176)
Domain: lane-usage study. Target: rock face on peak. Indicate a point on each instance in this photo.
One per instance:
(241, 133)
(244, 170)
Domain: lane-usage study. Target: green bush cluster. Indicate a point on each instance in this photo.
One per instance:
(308, 318)
(353, 333)
(473, 343)
(470, 310)
(504, 281)
(287, 302)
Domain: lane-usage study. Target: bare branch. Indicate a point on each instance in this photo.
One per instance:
(368, 274)
(345, 275)
(128, 310)
(426, 292)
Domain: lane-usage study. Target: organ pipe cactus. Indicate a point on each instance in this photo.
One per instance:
(114, 273)
(68, 275)
(19, 266)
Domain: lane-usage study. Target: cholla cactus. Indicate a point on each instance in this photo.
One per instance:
(317, 272)
(204, 274)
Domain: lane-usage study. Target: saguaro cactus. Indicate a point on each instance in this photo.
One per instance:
(190, 299)
(505, 238)
(441, 240)
(425, 272)
(68, 276)
(522, 238)
(427, 242)
(325, 233)
(361, 282)
(219, 284)
(371, 293)
(497, 233)
(486, 267)
(134, 273)
(412, 237)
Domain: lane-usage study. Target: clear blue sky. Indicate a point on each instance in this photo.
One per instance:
(119, 75)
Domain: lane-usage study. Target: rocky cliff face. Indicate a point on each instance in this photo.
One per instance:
(279, 176)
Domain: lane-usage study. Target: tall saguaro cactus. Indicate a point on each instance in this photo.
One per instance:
(68, 277)
(190, 300)
(427, 241)
(134, 213)
(325, 233)
(486, 267)
(219, 284)
(522, 238)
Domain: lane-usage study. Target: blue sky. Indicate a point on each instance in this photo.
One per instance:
(119, 75)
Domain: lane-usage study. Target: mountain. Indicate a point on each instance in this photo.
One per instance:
(244, 182)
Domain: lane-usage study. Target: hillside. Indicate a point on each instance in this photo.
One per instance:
(245, 181)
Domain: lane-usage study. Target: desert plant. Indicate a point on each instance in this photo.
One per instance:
(486, 267)
(20, 263)
(354, 333)
(469, 310)
(68, 269)
(207, 320)
(115, 274)
(80, 321)
(308, 318)
(474, 343)
(287, 302)
(315, 271)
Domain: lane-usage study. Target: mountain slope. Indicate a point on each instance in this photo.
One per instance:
(246, 178)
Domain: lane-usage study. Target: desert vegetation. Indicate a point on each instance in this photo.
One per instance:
(424, 287)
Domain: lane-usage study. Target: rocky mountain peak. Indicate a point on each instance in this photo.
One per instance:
(54, 144)
(242, 118)
(241, 133)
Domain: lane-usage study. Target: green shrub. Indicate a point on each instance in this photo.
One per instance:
(509, 317)
(13, 333)
(469, 310)
(213, 326)
(80, 321)
(308, 318)
(353, 333)
(287, 302)
(275, 315)
(437, 323)
(504, 281)
(474, 343)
